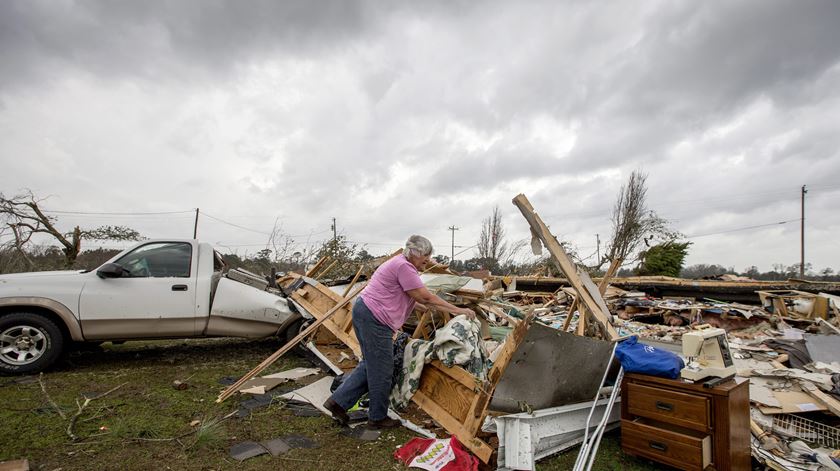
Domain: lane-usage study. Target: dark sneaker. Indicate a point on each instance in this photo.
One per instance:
(380, 424)
(338, 412)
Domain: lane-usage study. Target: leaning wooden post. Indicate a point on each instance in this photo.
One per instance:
(569, 314)
(353, 282)
(566, 266)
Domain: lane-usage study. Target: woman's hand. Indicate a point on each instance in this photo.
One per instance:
(467, 312)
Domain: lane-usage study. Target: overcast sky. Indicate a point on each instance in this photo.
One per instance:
(409, 117)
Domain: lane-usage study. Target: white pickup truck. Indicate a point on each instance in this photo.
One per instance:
(154, 290)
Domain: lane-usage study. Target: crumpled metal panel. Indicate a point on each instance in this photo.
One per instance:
(526, 438)
(551, 368)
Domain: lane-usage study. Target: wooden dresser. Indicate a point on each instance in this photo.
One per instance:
(685, 425)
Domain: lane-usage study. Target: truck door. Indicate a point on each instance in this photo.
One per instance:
(155, 297)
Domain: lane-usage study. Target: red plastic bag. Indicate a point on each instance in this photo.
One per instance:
(463, 461)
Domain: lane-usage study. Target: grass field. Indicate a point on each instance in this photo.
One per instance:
(145, 423)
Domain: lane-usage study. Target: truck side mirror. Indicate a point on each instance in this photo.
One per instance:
(110, 270)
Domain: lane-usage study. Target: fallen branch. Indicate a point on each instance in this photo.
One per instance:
(82, 406)
(50, 399)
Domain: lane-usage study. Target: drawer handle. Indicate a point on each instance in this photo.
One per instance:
(664, 406)
(659, 446)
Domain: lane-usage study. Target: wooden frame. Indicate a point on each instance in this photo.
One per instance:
(317, 299)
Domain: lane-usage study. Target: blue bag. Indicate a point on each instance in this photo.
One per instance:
(637, 357)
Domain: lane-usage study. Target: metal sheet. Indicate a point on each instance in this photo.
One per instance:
(825, 348)
(551, 368)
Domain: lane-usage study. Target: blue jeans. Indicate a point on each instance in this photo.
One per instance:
(374, 373)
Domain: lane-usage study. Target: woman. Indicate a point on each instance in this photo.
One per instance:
(378, 313)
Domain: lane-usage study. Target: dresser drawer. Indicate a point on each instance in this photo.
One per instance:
(668, 406)
(682, 448)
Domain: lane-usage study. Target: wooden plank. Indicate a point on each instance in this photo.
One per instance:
(512, 342)
(326, 270)
(832, 404)
(449, 394)
(353, 281)
(430, 321)
(483, 393)
(291, 343)
(580, 329)
(457, 373)
(565, 265)
(317, 266)
(478, 447)
(569, 314)
(593, 291)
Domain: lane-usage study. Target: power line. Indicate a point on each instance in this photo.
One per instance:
(743, 228)
(93, 213)
(235, 225)
(470, 247)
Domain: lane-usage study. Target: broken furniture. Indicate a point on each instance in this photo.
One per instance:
(793, 303)
(686, 425)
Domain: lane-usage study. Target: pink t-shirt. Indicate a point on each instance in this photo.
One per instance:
(386, 295)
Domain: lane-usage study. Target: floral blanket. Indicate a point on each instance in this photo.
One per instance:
(456, 343)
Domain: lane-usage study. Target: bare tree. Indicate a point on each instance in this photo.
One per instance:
(280, 243)
(492, 247)
(24, 218)
(633, 223)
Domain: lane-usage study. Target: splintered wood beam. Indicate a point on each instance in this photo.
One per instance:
(316, 267)
(291, 343)
(569, 314)
(611, 271)
(566, 266)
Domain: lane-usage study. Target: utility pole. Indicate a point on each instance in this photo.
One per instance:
(335, 237)
(453, 229)
(598, 250)
(802, 236)
(195, 227)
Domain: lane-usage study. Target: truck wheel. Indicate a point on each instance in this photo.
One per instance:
(293, 330)
(29, 343)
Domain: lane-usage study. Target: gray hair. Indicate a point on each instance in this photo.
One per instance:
(417, 245)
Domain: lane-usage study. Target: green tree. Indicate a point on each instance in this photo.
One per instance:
(633, 223)
(342, 253)
(664, 259)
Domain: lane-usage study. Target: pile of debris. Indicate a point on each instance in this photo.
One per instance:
(561, 343)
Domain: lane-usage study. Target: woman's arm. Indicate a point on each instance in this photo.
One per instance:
(424, 296)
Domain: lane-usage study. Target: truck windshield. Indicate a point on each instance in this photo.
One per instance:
(158, 259)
